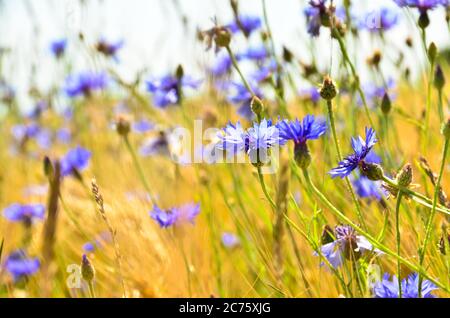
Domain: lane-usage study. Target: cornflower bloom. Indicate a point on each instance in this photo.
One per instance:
(387, 288)
(75, 161)
(26, 213)
(346, 245)
(246, 24)
(20, 266)
(361, 151)
(85, 83)
(176, 215)
(109, 49)
(58, 47)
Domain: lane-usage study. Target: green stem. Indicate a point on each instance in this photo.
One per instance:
(236, 66)
(91, 289)
(397, 227)
(432, 214)
(425, 131)
(138, 167)
(264, 189)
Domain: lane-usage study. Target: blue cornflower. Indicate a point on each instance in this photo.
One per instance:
(300, 132)
(44, 139)
(64, 135)
(142, 126)
(422, 5)
(27, 213)
(366, 188)
(314, 14)
(387, 288)
(310, 94)
(19, 265)
(109, 49)
(375, 93)
(89, 247)
(243, 98)
(75, 160)
(85, 83)
(176, 215)
(264, 72)
(22, 132)
(361, 150)
(230, 240)
(58, 47)
(383, 19)
(221, 66)
(156, 145)
(247, 24)
(347, 245)
(166, 90)
(254, 53)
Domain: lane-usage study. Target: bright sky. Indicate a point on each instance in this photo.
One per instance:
(154, 35)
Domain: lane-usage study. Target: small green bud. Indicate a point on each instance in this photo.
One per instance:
(48, 167)
(87, 270)
(327, 235)
(405, 176)
(257, 106)
(446, 129)
(432, 52)
(287, 55)
(439, 78)
(386, 104)
(328, 90)
(179, 73)
(302, 155)
(372, 171)
(424, 20)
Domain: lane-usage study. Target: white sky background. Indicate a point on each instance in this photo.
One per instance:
(154, 35)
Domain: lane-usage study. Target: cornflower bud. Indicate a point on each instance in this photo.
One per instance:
(328, 90)
(372, 171)
(405, 176)
(386, 104)
(439, 78)
(87, 270)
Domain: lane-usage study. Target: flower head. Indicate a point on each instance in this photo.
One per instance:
(58, 47)
(75, 160)
(387, 288)
(347, 245)
(361, 149)
(109, 49)
(230, 240)
(84, 84)
(175, 215)
(299, 132)
(246, 23)
(221, 66)
(366, 188)
(19, 265)
(26, 213)
(422, 5)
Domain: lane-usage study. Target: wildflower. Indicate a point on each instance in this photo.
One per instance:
(27, 213)
(89, 247)
(387, 288)
(20, 266)
(300, 132)
(254, 53)
(23, 132)
(84, 84)
(314, 14)
(361, 149)
(264, 72)
(64, 135)
(310, 94)
(175, 215)
(222, 66)
(382, 20)
(366, 188)
(75, 161)
(245, 23)
(58, 47)
(423, 6)
(375, 93)
(346, 245)
(167, 89)
(243, 98)
(109, 49)
(218, 35)
(156, 145)
(142, 126)
(230, 240)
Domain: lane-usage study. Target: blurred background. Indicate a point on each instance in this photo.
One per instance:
(160, 34)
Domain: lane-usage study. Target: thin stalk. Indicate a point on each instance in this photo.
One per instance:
(425, 131)
(236, 67)
(264, 189)
(432, 214)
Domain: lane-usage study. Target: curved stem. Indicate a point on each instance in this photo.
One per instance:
(432, 214)
(236, 66)
(263, 187)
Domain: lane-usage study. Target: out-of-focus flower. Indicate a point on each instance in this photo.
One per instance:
(19, 265)
(254, 53)
(27, 213)
(156, 145)
(246, 24)
(230, 240)
(310, 94)
(366, 188)
(347, 245)
(166, 90)
(375, 93)
(108, 48)
(58, 47)
(422, 5)
(240, 96)
(221, 66)
(176, 215)
(264, 72)
(64, 135)
(142, 126)
(85, 83)
(22, 132)
(361, 150)
(381, 19)
(75, 160)
(387, 288)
